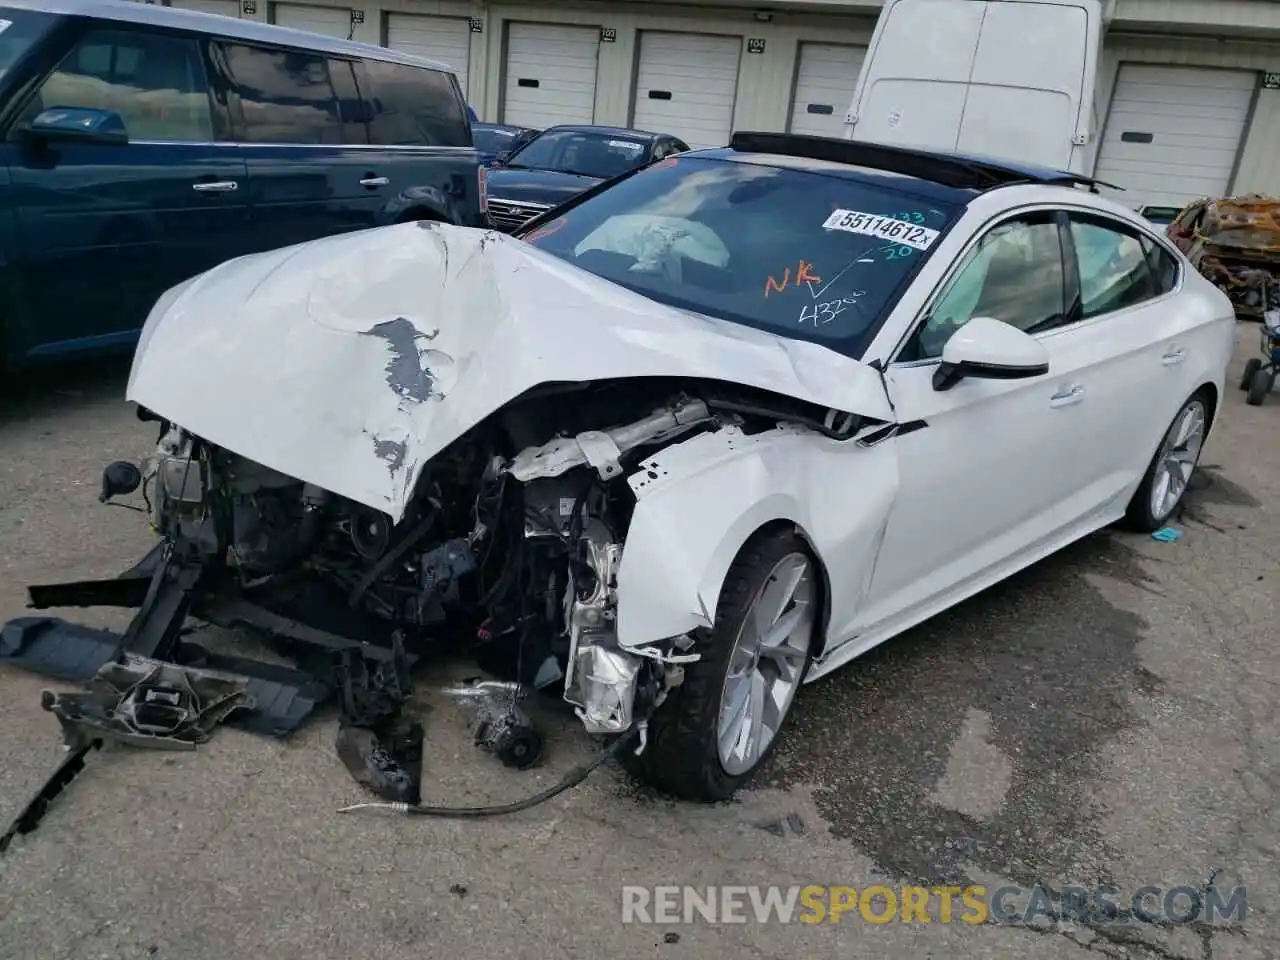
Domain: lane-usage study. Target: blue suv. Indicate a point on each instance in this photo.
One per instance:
(141, 145)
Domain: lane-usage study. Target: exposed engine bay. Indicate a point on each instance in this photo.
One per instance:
(509, 553)
(512, 540)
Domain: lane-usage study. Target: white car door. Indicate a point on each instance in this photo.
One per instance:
(1129, 349)
(987, 468)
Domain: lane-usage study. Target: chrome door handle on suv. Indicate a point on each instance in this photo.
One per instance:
(216, 186)
(371, 181)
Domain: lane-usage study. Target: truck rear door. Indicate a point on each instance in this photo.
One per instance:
(1027, 89)
(1004, 78)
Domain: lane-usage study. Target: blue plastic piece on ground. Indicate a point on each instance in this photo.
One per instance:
(1167, 535)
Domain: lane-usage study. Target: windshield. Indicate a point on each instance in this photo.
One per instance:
(600, 155)
(796, 252)
(493, 139)
(19, 30)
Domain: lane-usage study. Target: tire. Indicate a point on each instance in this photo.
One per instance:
(1143, 515)
(683, 756)
(1260, 385)
(1252, 366)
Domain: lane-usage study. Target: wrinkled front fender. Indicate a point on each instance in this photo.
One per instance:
(699, 501)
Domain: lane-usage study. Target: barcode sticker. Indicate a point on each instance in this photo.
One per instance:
(886, 228)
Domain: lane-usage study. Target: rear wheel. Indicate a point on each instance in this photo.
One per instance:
(716, 729)
(1166, 479)
(1252, 366)
(1260, 385)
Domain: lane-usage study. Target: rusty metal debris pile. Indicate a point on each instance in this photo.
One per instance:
(1235, 244)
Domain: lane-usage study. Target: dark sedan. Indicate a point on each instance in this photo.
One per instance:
(562, 162)
(497, 141)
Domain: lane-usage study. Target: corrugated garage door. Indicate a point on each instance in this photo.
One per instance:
(1173, 132)
(447, 39)
(686, 85)
(551, 74)
(826, 74)
(226, 8)
(331, 21)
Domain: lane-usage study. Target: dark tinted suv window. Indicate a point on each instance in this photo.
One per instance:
(412, 106)
(24, 28)
(291, 96)
(156, 83)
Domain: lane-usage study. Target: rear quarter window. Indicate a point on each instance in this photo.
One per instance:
(413, 106)
(283, 96)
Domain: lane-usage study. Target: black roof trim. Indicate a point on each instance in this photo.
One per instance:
(946, 169)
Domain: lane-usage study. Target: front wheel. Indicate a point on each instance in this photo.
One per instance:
(717, 727)
(1166, 479)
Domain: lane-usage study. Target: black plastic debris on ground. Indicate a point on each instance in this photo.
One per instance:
(31, 815)
(149, 686)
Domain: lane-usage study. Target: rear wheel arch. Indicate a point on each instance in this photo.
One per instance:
(1212, 401)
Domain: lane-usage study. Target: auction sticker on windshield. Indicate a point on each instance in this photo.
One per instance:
(886, 228)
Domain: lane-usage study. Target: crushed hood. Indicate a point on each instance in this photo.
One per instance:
(348, 362)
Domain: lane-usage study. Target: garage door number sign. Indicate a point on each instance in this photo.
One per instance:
(886, 228)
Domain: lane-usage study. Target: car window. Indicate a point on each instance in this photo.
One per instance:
(668, 148)
(25, 27)
(1114, 270)
(1013, 274)
(493, 139)
(285, 96)
(156, 83)
(806, 255)
(1164, 267)
(592, 154)
(413, 106)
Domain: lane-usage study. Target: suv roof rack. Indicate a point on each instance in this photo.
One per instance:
(947, 169)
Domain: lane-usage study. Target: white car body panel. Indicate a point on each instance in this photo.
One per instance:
(279, 366)
(700, 500)
(352, 360)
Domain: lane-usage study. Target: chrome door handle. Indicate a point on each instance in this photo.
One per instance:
(217, 186)
(1174, 356)
(1067, 396)
(372, 182)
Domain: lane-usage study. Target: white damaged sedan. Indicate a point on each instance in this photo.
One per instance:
(695, 437)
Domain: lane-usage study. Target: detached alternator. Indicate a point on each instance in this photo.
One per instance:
(496, 721)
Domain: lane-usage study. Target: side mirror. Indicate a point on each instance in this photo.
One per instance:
(82, 124)
(990, 349)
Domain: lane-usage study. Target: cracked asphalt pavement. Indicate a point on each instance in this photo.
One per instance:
(1108, 717)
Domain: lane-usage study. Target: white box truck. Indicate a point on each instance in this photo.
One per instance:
(1008, 79)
